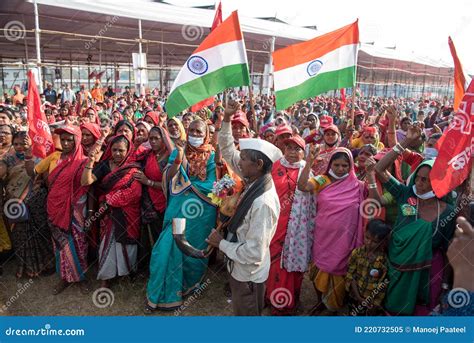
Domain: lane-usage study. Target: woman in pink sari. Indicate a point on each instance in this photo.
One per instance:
(339, 228)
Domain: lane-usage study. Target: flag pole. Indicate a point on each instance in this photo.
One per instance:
(353, 104)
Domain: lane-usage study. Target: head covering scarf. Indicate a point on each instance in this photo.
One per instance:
(97, 120)
(108, 151)
(182, 131)
(197, 156)
(126, 123)
(65, 182)
(155, 116)
(144, 151)
(94, 129)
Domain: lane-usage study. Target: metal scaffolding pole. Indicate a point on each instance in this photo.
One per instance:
(140, 67)
(38, 52)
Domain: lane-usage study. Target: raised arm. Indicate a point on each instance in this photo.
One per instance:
(414, 132)
(226, 140)
(303, 181)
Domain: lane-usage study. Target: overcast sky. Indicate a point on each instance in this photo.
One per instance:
(415, 26)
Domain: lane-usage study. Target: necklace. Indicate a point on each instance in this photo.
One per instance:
(437, 216)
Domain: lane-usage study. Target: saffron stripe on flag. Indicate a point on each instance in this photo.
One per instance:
(226, 32)
(307, 51)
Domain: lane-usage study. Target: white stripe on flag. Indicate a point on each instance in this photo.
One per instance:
(341, 58)
(218, 56)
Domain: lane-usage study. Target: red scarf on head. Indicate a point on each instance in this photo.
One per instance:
(97, 120)
(155, 116)
(94, 129)
(197, 157)
(65, 183)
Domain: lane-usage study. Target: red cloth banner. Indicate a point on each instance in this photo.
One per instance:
(38, 128)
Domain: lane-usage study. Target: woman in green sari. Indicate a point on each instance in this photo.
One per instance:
(419, 240)
(187, 180)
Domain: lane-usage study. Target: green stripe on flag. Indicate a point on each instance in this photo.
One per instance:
(342, 78)
(208, 85)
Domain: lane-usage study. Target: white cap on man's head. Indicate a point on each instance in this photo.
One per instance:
(267, 148)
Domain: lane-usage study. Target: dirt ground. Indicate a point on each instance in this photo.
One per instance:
(33, 297)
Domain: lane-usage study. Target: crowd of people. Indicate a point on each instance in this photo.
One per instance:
(335, 190)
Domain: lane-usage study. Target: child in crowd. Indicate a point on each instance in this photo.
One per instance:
(366, 279)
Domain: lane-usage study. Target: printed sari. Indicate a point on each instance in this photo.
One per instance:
(174, 275)
(66, 208)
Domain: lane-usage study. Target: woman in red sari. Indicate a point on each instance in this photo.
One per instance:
(120, 195)
(154, 160)
(66, 207)
(291, 245)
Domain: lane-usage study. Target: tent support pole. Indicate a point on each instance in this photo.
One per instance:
(38, 52)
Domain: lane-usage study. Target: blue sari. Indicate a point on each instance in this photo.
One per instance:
(174, 275)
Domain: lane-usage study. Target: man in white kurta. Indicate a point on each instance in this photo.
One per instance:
(249, 251)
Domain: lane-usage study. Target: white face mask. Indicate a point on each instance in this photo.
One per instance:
(195, 141)
(430, 153)
(337, 177)
(177, 135)
(424, 196)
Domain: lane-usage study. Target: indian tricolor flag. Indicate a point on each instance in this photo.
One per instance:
(324, 63)
(220, 62)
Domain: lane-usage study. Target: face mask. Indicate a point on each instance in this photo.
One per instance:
(425, 196)
(430, 153)
(337, 177)
(195, 141)
(176, 136)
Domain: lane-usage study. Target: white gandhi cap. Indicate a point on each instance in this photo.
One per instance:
(271, 151)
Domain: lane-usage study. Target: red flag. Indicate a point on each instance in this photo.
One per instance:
(461, 80)
(217, 17)
(202, 104)
(38, 129)
(343, 98)
(217, 21)
(456, 147)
